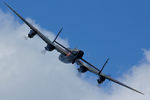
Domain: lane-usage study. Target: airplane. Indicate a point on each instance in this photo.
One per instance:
(68, 55)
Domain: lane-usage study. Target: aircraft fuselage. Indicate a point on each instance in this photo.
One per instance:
(69, 57)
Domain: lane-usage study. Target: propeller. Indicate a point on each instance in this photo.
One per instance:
(98, 85)
(43, 52)
(79, 74)
(26, 37)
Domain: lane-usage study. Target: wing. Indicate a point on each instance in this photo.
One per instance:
(91, 69)
(111, 79)
(43, 37)
(96, 71)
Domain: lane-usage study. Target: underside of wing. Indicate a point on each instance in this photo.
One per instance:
(50, 45)
(103, 76)
(113, 80)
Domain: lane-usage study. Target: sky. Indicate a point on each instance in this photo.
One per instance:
(115, 29)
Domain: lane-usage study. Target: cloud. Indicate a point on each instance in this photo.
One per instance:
(26, 74)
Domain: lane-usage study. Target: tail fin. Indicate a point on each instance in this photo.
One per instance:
(57, 34)
(103, 66)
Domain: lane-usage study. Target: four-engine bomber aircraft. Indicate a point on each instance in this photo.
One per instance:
(68, 55)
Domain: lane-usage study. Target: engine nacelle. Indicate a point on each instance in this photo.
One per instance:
(82, 69)
(101, 79)
(49, 47)
(31, 34)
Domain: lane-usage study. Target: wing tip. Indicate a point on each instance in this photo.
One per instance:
(5, 3)
(140, 92)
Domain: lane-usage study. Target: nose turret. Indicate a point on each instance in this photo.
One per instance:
(79, 55)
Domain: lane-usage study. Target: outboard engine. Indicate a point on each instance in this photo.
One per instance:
(78, 56)
(49, 47)
(101, 79)
(31, 34)
(82, 69)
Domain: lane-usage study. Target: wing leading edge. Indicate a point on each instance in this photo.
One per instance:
(96, 71)
(43, 37)
(115, 81)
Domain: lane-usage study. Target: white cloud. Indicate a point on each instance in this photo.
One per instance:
(25, 74)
